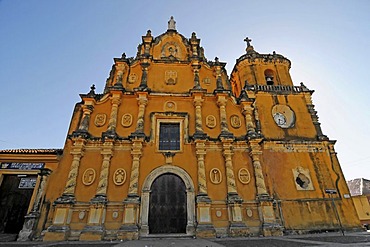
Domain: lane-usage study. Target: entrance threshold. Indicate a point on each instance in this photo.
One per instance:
(168, 236)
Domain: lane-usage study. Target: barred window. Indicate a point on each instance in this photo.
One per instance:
(169, 136)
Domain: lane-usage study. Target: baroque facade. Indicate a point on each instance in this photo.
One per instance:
(176, 146)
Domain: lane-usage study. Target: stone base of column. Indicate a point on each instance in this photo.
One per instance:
(128, 232)
(272, 229)
(27, 232)
(92, 233)
(60, 230)
(57, 233)
(205, 231)
(221, 232)
(238, 229)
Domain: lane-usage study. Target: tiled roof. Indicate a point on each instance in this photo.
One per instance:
(32, 151)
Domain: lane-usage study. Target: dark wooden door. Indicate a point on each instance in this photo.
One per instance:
(14, 202)
(167, 206)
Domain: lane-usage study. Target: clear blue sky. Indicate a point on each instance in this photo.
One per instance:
(51, 51)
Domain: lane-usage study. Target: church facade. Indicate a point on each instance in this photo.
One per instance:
(176, 146)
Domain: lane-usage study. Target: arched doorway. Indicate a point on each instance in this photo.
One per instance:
(167, 205)
(164, 177)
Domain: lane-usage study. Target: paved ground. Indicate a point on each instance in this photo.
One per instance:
(322, 239)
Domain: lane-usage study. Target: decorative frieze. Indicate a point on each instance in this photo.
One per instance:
(288, 147)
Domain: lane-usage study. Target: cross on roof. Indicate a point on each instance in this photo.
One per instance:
(248, 40)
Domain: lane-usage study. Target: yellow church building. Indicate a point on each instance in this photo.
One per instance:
(176, 147)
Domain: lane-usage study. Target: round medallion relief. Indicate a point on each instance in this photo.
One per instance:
(215, 176)
(218, 213)
(100, 119)
(115, 215)
(119, 176)
(211, 121)
(244, 176)
(81, 215)
(235, 121)
(126, 120)
(88, 176)
(249, 212)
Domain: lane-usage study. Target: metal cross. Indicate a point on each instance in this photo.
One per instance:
(248, 40)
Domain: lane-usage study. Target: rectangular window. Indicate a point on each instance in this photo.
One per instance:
(169, 136)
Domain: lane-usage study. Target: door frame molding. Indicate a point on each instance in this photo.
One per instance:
(190, 197)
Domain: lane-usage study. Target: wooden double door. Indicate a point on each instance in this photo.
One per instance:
(167, 205)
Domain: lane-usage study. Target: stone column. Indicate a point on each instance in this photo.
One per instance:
(198, 101)
(129, 228)
(85, 120)
(258, 173)
(205, 227)
(107, 154)
(136, 153)
(94, 229)
(112, 124)
(230, 178)
(32, 219)
(247, 111)
(234, 201)
(270, 226)
(142, 102)
(221, 102)
(60, 230)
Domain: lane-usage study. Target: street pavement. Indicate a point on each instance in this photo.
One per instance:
(321, 239)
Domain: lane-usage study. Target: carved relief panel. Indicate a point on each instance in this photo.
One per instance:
(126, 120)
(211, 121)
(302, 179)
(88, 176)
(100, 119)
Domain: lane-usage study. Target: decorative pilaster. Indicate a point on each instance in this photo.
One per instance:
(112, 124)
(258, 173)
(60, 229)
(142, 102)
(136, 153)
(129, 229)
(221, 102)
(198, 101)
(270, 226)
(32, 219)
(85, 120)
(201, 152)
(230, 178)
(144, 78)
(205, 227)
(77, 152)
(94, 229)
(234, 201)
(247, 111)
